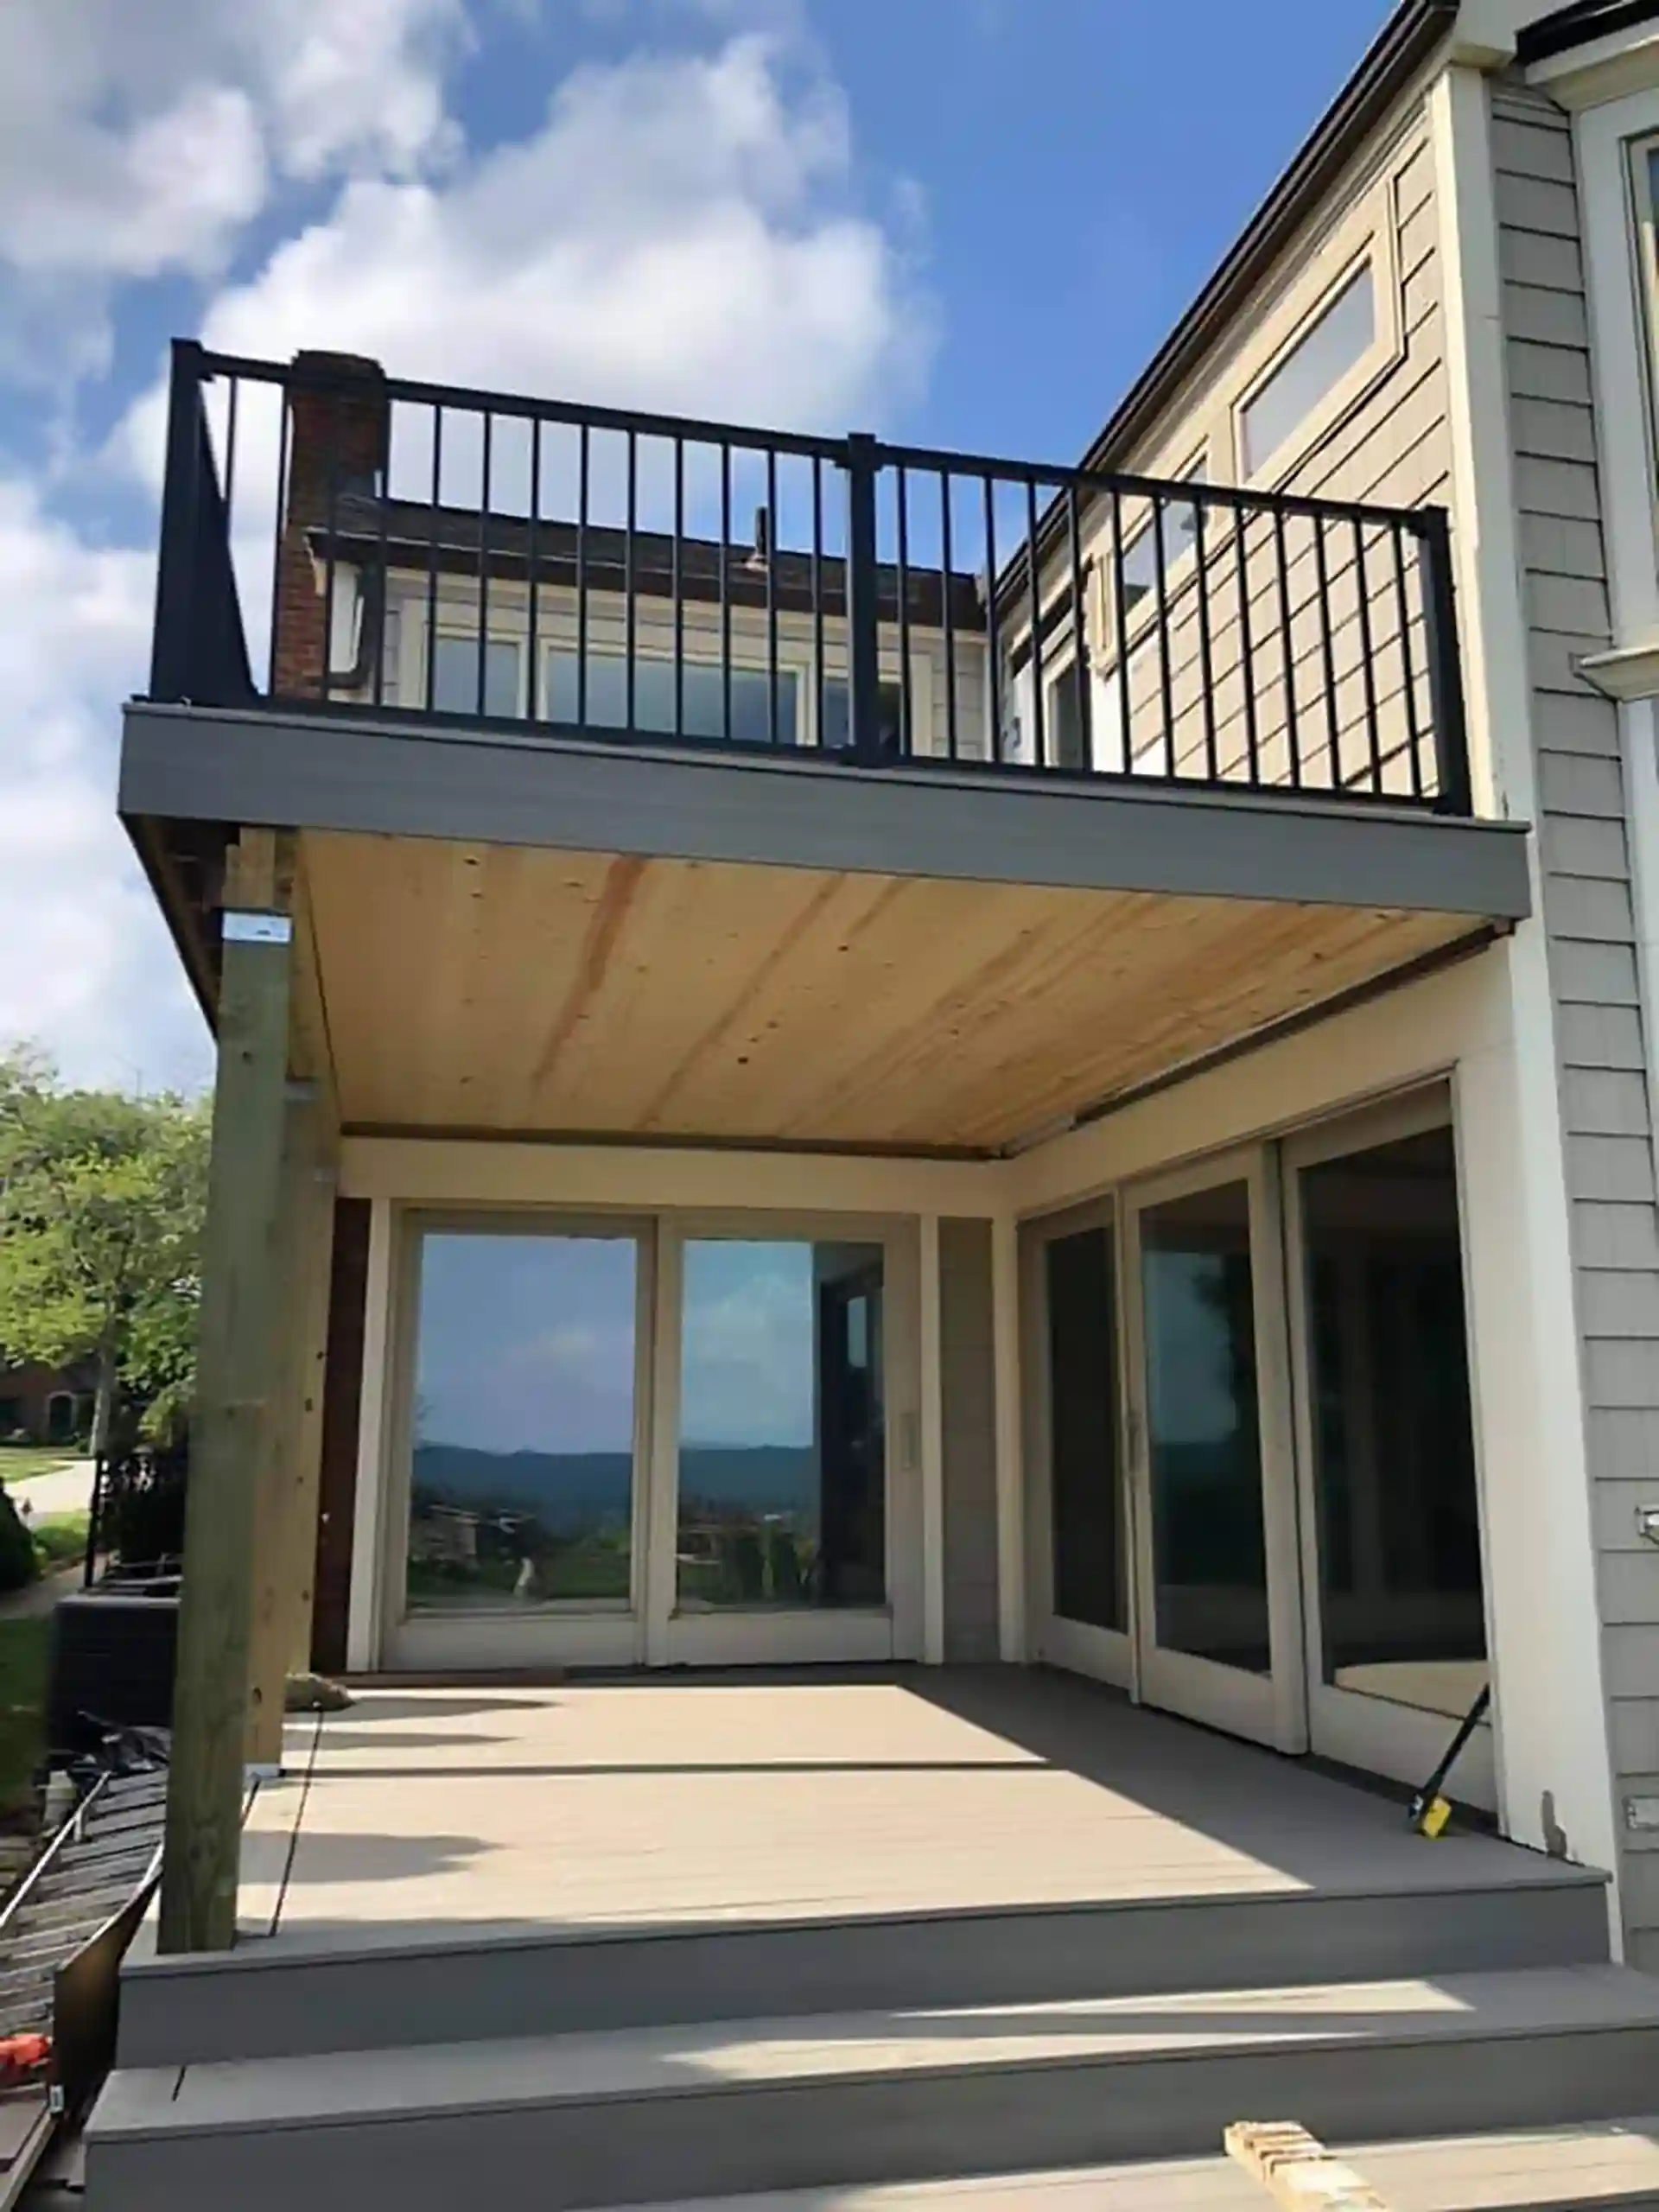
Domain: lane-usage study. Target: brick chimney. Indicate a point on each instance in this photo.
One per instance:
(339, 425)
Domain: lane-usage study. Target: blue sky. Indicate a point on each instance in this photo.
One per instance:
(970, 221)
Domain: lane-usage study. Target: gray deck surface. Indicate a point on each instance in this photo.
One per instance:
(428, 1815)
(702, 2056)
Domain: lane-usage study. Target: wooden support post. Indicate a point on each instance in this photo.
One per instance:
(233, 1382)
(300, 1576)
(286, 1505)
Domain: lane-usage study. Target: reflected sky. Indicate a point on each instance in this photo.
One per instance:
(526, 1342)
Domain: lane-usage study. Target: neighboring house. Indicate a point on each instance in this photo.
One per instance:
(44, 1405)
(1026, 1062)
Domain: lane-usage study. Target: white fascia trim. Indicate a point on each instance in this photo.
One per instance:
(1626, 673)
(1618, 354)
(1552, 1740)
(1601, 70)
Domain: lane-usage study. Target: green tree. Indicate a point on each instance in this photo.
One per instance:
(101, 1203)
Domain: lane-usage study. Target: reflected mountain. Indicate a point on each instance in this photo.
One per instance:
(568, 1491)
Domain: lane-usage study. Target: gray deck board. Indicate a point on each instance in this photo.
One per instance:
(446, 1815)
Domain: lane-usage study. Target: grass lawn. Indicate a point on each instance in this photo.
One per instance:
(19, 1461)
(24, 1649)
(59, 1540)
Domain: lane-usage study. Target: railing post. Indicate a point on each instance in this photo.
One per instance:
(170, 672)
(1456, 793)
(863, 661)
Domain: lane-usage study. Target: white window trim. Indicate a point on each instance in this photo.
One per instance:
(1367, 237)
(556, 629)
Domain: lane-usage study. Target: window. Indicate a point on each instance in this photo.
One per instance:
(1067, 743)
(702, 698)
(1337, 342)
(837, 733)
(1177, 529)
(454, 676)
(522, 1491)
(782, 1452)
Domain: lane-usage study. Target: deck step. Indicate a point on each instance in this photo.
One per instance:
(640, 2115)
(1612, 2166)
(281, 1998)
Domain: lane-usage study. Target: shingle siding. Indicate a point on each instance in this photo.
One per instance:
(1590, 919)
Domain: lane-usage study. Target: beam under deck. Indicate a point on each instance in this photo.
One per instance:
(802, 810)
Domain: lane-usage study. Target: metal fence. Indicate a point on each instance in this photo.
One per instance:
(372, 545)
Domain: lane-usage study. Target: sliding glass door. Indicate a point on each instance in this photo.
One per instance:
(1080, 1520)
(1390, 1520)
(772, 1504)
(658, 1441)
(527, 1377)
(1218, 1614)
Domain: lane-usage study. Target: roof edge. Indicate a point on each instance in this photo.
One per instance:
(1580, 25)
(1412, 34)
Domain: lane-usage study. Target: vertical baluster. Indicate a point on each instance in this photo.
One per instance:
(1367, 656)
(771, 597)
(584, 486)
(907, 744)
(234, 386)
(726, 589)
(1166, 673)
(327, 678)
(630, 612)
(279, 529)
(532, 565)
(433, 511)
(1034, 594)
(483, 563)
(1327, 652)
(1206, 659)
(382, 579)
(1080, 632)
(950, 732)
(1246, 648)
(1287, 646)
(1407, 673)
(993, 636)
(678, 585)
(1121, 624)
(817, 599)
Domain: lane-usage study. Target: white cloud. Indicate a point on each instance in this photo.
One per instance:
(135, 139)
(87, 968)
(680, 234)
(677, 236)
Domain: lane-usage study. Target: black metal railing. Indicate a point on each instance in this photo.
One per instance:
(407, 549)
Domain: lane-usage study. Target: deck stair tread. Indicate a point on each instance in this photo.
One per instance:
(1613, 2164)
(717, 2057)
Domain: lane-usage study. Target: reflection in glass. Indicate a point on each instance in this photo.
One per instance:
(454, 676)
(704, 689)
(1088, 1506)
(1399, 1531)
(1203, 1429)
(522, 1486)
(782, 1457)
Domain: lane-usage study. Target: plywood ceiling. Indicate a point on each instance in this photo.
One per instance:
(494, 986)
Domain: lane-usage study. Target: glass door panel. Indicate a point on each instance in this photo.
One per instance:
(1203, 1433)
(1396, 1615)
(522, 1490)
(1217, 1613)
(782, 1455)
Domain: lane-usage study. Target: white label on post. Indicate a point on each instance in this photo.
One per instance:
(256, 929)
